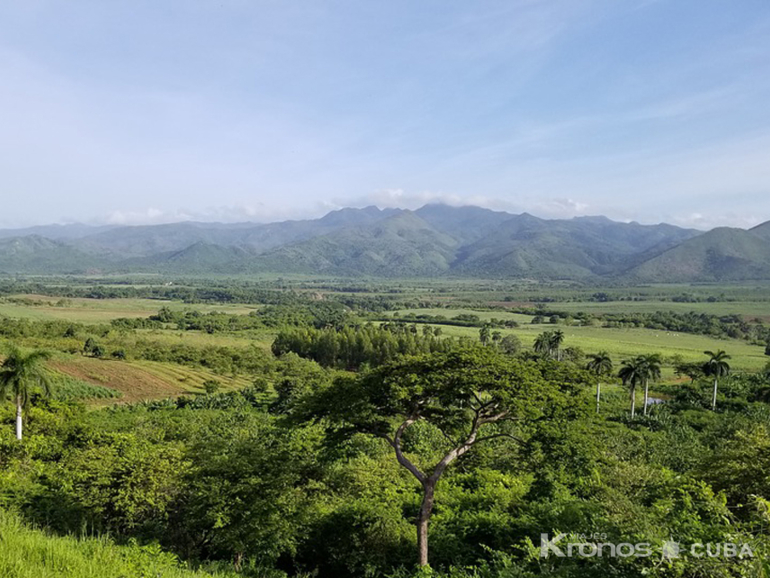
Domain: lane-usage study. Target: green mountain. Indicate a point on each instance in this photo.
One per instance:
(464, 224)
(435, 240)
(150, 240)
(722, 254)
(762, 230)
(38, 255)
(199, 258)
(526, 246)
(402, 245)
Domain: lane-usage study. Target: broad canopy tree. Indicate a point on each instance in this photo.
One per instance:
(470, 396)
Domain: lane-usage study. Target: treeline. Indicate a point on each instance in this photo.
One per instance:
(460, 320)
(734, 326)
(320, 314)
(353, 347)
(207, 293)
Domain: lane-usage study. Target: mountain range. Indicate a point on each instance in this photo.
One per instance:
(433, 241)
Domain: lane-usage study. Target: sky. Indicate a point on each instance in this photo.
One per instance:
(137, 112)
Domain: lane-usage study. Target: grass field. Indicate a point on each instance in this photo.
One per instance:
(624, 343)
(99, 310)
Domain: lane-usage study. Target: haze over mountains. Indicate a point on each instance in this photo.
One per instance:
(435, 240)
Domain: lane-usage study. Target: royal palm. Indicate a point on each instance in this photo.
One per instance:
(650, 372)
(601, 365)
(20, 374)
(716, 367)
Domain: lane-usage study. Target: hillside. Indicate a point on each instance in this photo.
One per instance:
(526, 246)
(199, 258)
(762, 230)
(36, 254)
(723, 254)
(435, 240)
(402, 245)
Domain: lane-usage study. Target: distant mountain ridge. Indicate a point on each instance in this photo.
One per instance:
(433, 241)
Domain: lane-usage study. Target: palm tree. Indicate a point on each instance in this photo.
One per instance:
(632, 374)
(651, 371)
(19, 373)
(600, 364)
(543, 343)
(557, 339)
(548, 344)
(716, 367)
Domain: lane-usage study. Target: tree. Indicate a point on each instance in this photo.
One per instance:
(467, 396)
(651, 371)
(543, 343)
(691, 370)
(716, 367)
(632, 375)
(557, 339)
(92, 348)
(211, 386)
(510, 344)
(600, 364)
(548, 344)
(484, 334)
(19, 374)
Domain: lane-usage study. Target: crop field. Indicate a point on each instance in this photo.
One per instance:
(202, 339)
(140, 380)
(81, 310)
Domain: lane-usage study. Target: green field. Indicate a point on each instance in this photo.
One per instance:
(80, 310)
(624, 343)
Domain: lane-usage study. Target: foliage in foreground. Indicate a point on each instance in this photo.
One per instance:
(28, 553)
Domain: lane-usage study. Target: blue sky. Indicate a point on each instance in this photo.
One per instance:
(231, 110)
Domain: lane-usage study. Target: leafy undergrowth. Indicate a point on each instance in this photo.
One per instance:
(27, 553)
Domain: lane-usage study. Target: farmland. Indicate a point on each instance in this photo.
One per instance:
(82, 310)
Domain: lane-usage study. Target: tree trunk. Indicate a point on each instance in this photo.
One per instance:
(714, 395)
(598, 395)
(422, 522)
(633, 402)
(646, 395)
(18, 418)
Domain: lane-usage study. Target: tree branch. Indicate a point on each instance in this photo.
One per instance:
(501, 435)
(402, 459)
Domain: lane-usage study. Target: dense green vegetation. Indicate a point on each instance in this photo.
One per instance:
(326, 438)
